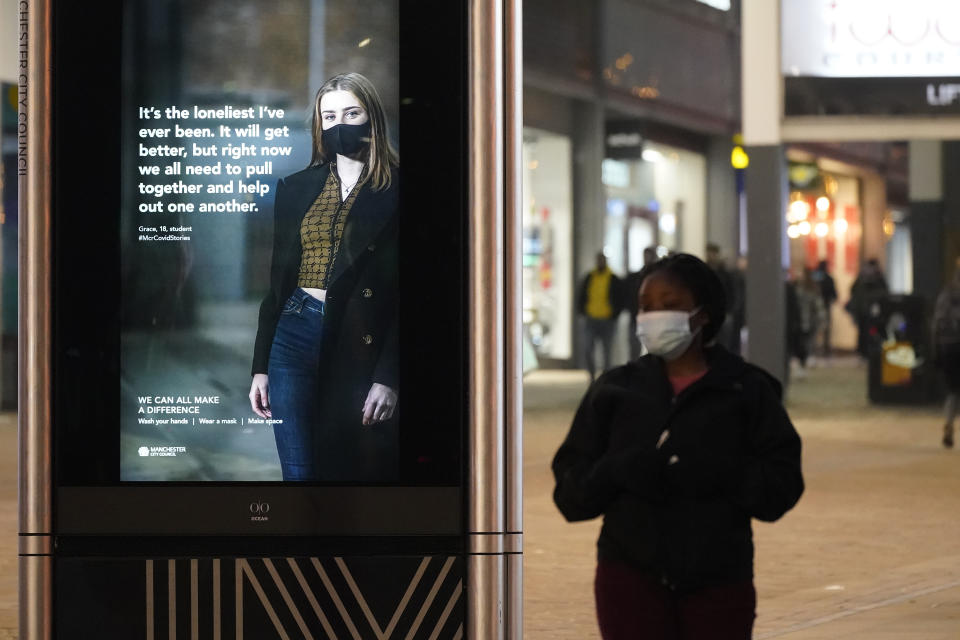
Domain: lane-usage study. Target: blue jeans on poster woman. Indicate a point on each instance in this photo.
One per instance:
(294, 379)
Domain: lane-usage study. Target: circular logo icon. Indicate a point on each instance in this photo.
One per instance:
(260, 508)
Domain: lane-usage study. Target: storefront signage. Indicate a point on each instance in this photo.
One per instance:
(624, 141)
(871, 38)
(941, 95)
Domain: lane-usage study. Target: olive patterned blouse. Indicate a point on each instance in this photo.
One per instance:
(321, 231)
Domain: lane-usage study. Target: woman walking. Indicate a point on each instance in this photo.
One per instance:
(946, 344)
(678, 450)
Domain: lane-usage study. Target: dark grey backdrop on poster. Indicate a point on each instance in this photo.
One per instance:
(189, 306)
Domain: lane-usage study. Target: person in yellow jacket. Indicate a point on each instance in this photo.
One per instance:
(600, 303)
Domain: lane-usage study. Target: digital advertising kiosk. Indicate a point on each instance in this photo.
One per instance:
(269, 330)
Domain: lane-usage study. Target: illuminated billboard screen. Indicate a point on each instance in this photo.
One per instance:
(258, 236)
(871, 57)
(248, 306)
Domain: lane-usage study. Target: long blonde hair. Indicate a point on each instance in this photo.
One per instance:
(381, 156)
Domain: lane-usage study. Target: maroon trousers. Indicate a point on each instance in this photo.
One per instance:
(632, 605)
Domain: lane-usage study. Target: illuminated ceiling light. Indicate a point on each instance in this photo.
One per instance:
(841, 226)
(889, 227)
(651, 155)
(364, 42)
(646, 92)
(823, 203)
(662, 251)
(805, 228)
(722, 5)
(798, 211)
(668, 223)
(793, 231)
(822, 229)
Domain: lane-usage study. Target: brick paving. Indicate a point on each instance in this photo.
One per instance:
(871, 551)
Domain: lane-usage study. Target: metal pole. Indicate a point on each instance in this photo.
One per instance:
(34, 148)
(513, 372)
(486, 523)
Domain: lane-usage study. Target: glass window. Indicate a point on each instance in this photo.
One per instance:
(547, 243)
(663, 203)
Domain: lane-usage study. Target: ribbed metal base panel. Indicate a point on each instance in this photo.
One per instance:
(356, 598)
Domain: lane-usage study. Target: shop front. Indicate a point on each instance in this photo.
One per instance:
(656, 200)
(548, 287)
(838, 213)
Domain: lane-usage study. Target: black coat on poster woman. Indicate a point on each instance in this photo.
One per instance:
(360, 327)
(343, 298)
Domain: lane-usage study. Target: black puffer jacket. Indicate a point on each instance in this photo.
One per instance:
(681, 511)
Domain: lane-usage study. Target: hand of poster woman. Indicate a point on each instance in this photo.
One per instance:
(259, 397)
(380, 403)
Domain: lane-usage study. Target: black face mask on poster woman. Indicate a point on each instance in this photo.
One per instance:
(346, 139)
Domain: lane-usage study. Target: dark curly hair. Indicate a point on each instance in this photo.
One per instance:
(701, 281)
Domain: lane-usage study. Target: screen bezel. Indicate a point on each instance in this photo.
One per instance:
(89, 496)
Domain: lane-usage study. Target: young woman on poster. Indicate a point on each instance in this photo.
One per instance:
(325, 359)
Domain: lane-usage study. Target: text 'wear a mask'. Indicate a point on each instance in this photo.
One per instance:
(346, 139)
(666, 333)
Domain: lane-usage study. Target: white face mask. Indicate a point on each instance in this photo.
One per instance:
(666, 333)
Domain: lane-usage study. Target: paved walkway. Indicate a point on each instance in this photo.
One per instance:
(872, 550)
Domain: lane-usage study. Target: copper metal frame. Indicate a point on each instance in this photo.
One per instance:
(35, 427)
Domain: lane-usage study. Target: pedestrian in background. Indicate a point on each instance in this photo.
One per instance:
(678, 451)
(727, 281)
(946, 342)
(631, 302)
(599, 302)
(866, 291)
(809, 319)
(791, 320)
(828, 293)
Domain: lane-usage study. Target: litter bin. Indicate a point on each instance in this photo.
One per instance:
(900, 359)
